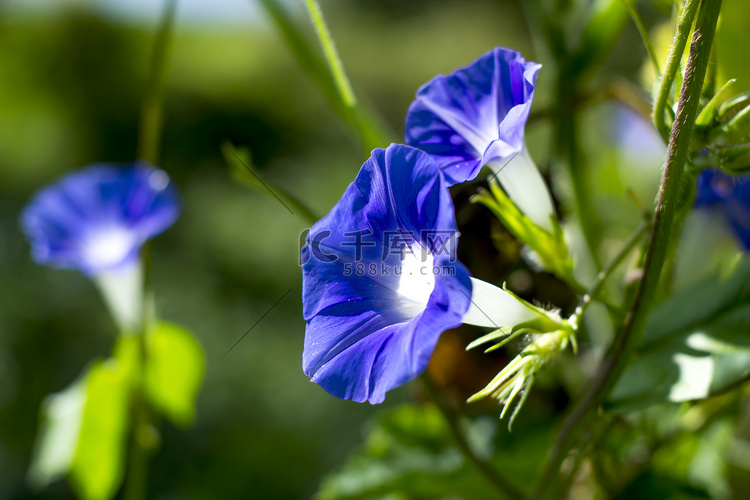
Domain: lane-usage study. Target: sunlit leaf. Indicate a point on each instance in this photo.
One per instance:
(173, 372)
(696, 344)
(99, 462)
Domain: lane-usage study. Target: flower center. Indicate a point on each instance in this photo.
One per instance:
(417, 275)
(108, 247)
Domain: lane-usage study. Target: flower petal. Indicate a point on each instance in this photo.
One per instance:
(474, 115)
(363, 336)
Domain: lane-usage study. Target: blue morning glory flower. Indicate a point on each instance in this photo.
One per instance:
(96, 219)
(731, 195)
(475, 117)
(381, 281)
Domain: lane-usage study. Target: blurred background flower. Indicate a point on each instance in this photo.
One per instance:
(95, 220)
(730, 196)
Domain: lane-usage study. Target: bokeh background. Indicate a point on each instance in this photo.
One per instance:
(72, 76)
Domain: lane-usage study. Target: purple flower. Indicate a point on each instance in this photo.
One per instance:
(380, 281)
(475, 117)
(96, 219)
(731, 195)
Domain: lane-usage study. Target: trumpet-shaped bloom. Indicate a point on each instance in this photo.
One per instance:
(731, 195)
(96, 219)
(475, 117)
(381, 281)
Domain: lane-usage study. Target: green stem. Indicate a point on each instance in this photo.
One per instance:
(366, 124)
(135, 487)
(451, 418)
(332, 55)
(673, 65)
(664, 226)
(602, 277)
(149, 138)
(149, 128)
(644, 35)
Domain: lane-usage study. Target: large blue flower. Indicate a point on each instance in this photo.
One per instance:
(731, 195)
(96, 219)
(381, 281)
(475, 117)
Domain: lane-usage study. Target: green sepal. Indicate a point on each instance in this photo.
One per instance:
(732, 159)
(545, 322)
(550, 247)
(735, 127)
(732, 106)
(708, 115)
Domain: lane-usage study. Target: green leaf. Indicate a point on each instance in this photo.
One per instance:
(696, 343)
(98, 465)
(173, 372)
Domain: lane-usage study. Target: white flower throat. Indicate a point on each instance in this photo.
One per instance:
(490, 306)
(417, 274)
(108, 246)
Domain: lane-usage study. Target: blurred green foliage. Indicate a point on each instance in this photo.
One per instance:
(70, 92)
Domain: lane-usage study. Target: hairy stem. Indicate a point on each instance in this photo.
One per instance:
(149, 138)
(673, 65)
(664, 225)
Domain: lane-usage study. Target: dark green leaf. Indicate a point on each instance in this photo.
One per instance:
(410, 453)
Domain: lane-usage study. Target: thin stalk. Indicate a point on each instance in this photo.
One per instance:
(644, 35)
(329, 74)
(673, 65)
(332, 55)
(602, 277)
(500, 483)
(140, 452)
(149, 138)
(659, 244)
(365, 123)
(150, 125)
